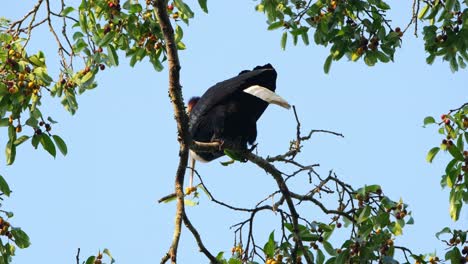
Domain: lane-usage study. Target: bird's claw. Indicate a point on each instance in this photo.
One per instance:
(220, 142)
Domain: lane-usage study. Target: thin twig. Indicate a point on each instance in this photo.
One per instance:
(78, 256)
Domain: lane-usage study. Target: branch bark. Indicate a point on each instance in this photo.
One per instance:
(175, 94)
(181, 118)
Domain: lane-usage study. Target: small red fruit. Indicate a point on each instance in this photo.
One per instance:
(170, 7)
(443, 116)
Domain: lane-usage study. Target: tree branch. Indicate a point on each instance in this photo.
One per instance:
(269, 168)
(175, 94)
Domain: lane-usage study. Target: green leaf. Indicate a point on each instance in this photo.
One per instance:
(341, 258)
(396, 228)
(4, 122)
(227, 163)
(449, 5)
(305, 37)
(446, 230)
(373, 188)
(88, 76)
(77, 35)
(423, 11)
(48, 145)
(36, 60)
(181, 46)
(327, 65)
(233, 154)
(32, 122)
(106, 39)
(329, 248)
(382, 57)
(60, 144)
(10, 152)
(284, 39)
(35, 141)
(455, 204)
(234, 261)
(51, 120)
(410, 221)
(90, 260)
(220, 255)
(20, 140)
(325, 227)
(431, 154)
(320, 257)
(364, 215)
(67, 11)
(190, 202)
(203, 5)
(4, 188)
(83, 22)
(454, 255)
(107, 252)
(135, 8)
(156, 64)
(275, 25)
(456, 153)
(429, 120)
(184, 8)
(21, 238)
(430, 59)
(270, 246)
(112, 55)
(179, 34)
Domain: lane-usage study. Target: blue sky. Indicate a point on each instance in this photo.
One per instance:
(123, 148)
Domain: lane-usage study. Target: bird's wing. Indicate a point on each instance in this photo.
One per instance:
(264, 76)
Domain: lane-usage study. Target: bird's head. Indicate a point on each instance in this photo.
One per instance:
(191, 103)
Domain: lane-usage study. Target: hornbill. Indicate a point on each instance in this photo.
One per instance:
(229, 110)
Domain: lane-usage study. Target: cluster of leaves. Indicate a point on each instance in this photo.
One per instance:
(10, 237)
(447, 33)
(130, 27)
(457, 245)
(355, 28)
(454, 128)
(103, 27)
(23, 82)
(374, 224)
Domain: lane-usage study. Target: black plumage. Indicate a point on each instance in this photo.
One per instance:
(226, 113)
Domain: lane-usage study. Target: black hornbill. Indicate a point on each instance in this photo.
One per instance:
(229, 110)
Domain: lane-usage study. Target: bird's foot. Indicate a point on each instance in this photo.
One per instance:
(220, 142)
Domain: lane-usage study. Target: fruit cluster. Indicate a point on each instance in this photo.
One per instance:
(190, 190)
(278, 259)
(464, 252)
(22, 78)
(5, 228)
(114, 6)
(98, 259)
(237, 249)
